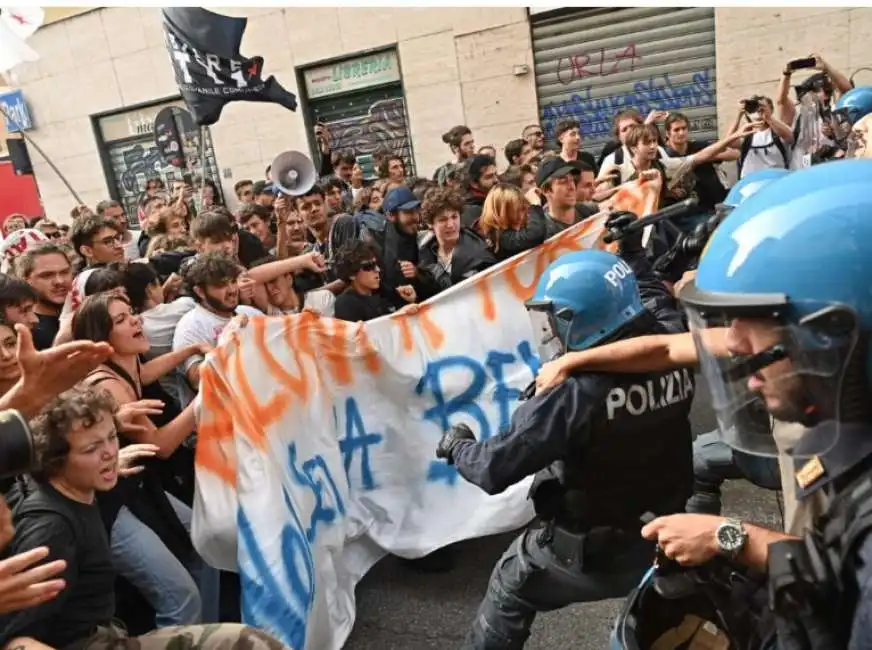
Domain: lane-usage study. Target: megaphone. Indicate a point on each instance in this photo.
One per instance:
(293, 173)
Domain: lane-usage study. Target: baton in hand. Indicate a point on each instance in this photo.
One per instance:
(671, 212)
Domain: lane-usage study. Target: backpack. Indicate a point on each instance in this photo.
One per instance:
(746, 149)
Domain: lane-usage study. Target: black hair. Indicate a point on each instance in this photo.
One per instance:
(213, 225)
(514, 149)
(85, 228)
(210, 269)
(454, 136)
(14, 291)
(565, 125)
(477, 164)
(138, 277)
(350, 257)
(105, 278)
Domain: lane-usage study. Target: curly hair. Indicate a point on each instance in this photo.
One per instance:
(385, 163)
(210, 269)
(350, 257)
(83, 406)
(439, 200)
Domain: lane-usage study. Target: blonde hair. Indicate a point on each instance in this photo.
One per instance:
(503, 202)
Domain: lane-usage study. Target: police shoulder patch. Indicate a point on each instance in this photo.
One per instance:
(811, 472)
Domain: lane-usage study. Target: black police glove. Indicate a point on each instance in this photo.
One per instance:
(630, 240)
(450, 439)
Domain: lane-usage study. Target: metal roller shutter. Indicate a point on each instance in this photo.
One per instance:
(135, 160)
(592, 63)
(365, 122)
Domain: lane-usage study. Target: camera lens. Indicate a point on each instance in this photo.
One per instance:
(16, 445)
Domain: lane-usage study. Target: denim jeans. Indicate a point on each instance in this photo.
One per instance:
(714, 462)
(180, 595)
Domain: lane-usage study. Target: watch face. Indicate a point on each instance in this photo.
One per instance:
(730, 537)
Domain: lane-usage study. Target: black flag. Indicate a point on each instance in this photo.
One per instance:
(210, 71)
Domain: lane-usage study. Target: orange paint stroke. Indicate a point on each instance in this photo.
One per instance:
(299, 386)
(363, 343)
(262, 416)
(488, 305)
(432, 332)
(405, 331)
(216, 431)
(314, 339)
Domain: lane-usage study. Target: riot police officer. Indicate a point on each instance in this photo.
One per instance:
(788, 273)
(606, 449)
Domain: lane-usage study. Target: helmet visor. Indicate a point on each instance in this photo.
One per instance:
(760, 363)
(856, 147)
(547, 330)
(841, 123)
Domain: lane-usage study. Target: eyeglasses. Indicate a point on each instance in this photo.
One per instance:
(57, 234)
(369, 266)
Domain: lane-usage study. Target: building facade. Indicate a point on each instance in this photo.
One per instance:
(400, 77)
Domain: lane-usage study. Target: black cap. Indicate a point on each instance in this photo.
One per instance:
(553, 167)
(262, 187)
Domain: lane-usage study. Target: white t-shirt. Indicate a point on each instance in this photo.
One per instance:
(199, 325)
(763, 154)
(320, 300)
(609, 160)
(76, 294)
(159, 325)
(131, 248)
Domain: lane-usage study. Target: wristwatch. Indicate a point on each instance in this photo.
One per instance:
(731, 537)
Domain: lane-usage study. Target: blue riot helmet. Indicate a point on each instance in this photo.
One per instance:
(743, 190)
(851, 107)
(781, 306)
(751, 184)
(582, 300)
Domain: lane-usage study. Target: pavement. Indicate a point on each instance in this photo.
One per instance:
(400, 609)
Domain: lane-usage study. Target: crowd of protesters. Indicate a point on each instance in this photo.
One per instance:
(103, 328)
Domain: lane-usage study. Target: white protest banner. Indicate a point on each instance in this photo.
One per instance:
(316, 439)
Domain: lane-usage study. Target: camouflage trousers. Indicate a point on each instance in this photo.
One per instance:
(214, 636)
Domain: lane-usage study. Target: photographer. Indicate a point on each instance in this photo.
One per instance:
(809, 116)
(768, 145)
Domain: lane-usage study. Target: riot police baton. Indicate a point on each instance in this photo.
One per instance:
(677, 210)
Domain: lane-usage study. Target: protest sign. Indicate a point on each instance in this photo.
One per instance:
(317, 437)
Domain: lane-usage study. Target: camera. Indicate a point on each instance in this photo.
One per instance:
(17, 454)
(752, 105)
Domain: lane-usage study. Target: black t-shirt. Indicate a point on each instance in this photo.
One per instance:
(45, 331)
(582, 211)
(251, 248)
(89, 597)
(708, 187)
(353, 306)
(587, 158)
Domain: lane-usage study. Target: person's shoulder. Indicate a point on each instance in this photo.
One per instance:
(43, 518)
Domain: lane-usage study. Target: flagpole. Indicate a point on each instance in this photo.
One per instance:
(31, 142)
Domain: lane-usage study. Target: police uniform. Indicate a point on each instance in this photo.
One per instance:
(606, 449)
(787, 272)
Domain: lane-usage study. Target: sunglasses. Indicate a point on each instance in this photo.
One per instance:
(369, 266)
(57, 234)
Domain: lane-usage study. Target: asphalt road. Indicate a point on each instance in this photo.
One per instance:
(399, 609)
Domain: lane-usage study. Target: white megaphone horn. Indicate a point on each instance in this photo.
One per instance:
(293, 173)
